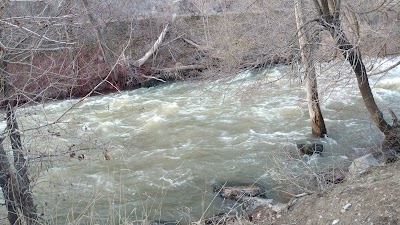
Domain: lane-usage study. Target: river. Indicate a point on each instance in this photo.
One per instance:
(169, 144)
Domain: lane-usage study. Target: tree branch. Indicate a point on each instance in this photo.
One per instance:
(180, 68)
(394, 117)
(36, 34)
(385, 70)
(192, 43)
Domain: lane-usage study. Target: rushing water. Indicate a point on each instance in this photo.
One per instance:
(170, 143)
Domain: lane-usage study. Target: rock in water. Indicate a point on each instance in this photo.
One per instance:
(250, 204)
(362, 165)
(238, 192)
(309, 149)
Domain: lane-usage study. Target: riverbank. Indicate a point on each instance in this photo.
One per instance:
(176, 139)
(371, 198)
(195, 46)
(368, 199)
(179, 139)
(366, 193)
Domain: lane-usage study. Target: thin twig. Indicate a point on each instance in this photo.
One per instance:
(36, 34)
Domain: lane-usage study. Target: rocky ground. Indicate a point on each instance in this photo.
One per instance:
(372, 198)
(367, 194)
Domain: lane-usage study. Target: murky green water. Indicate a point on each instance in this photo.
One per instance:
(169, 144)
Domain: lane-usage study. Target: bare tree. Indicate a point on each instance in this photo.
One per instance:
(18, 43)
(66, 11)
(107, 54)
(307, 47)
(329, 12)
(14, 176)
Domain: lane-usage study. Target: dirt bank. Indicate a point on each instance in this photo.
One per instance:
(372, 198)
(223, 43)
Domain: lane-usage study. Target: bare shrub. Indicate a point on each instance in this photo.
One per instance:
(297, 173)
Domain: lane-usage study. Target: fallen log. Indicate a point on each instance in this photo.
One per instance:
(192, 43)
(183, 68)
(143, 60)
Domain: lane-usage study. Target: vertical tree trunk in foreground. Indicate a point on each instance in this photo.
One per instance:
(20, 183)
(5, 182)
(306, 50)
(14, 175)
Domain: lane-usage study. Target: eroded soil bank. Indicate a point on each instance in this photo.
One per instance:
(206, 46)
(372, 198)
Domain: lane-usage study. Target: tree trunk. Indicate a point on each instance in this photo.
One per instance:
(353, 56)
(99, 35)
(5, 181)
(329, 11)
(330, 20)
(69, 33)
(15, 181)
(16, 191)
(5, 168)
(14, 176)
(307, 47)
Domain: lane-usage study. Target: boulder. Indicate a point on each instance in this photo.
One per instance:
(309, 149)
(386, 155)
(250, 204)
(362, 165)
(279, 207)
(238, 192)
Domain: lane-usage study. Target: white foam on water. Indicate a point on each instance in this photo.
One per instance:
(55, 106)
(292, 135)
(329, 140)
(173, 182)
(146, 154)
(170, 108)
(108, 126)
(180, 178)
(240, 77)
(187, 134)
(392, 83)
(172, 157)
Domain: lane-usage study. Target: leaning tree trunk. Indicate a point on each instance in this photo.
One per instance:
(140, 62)
(329, 11)
(306, 49)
